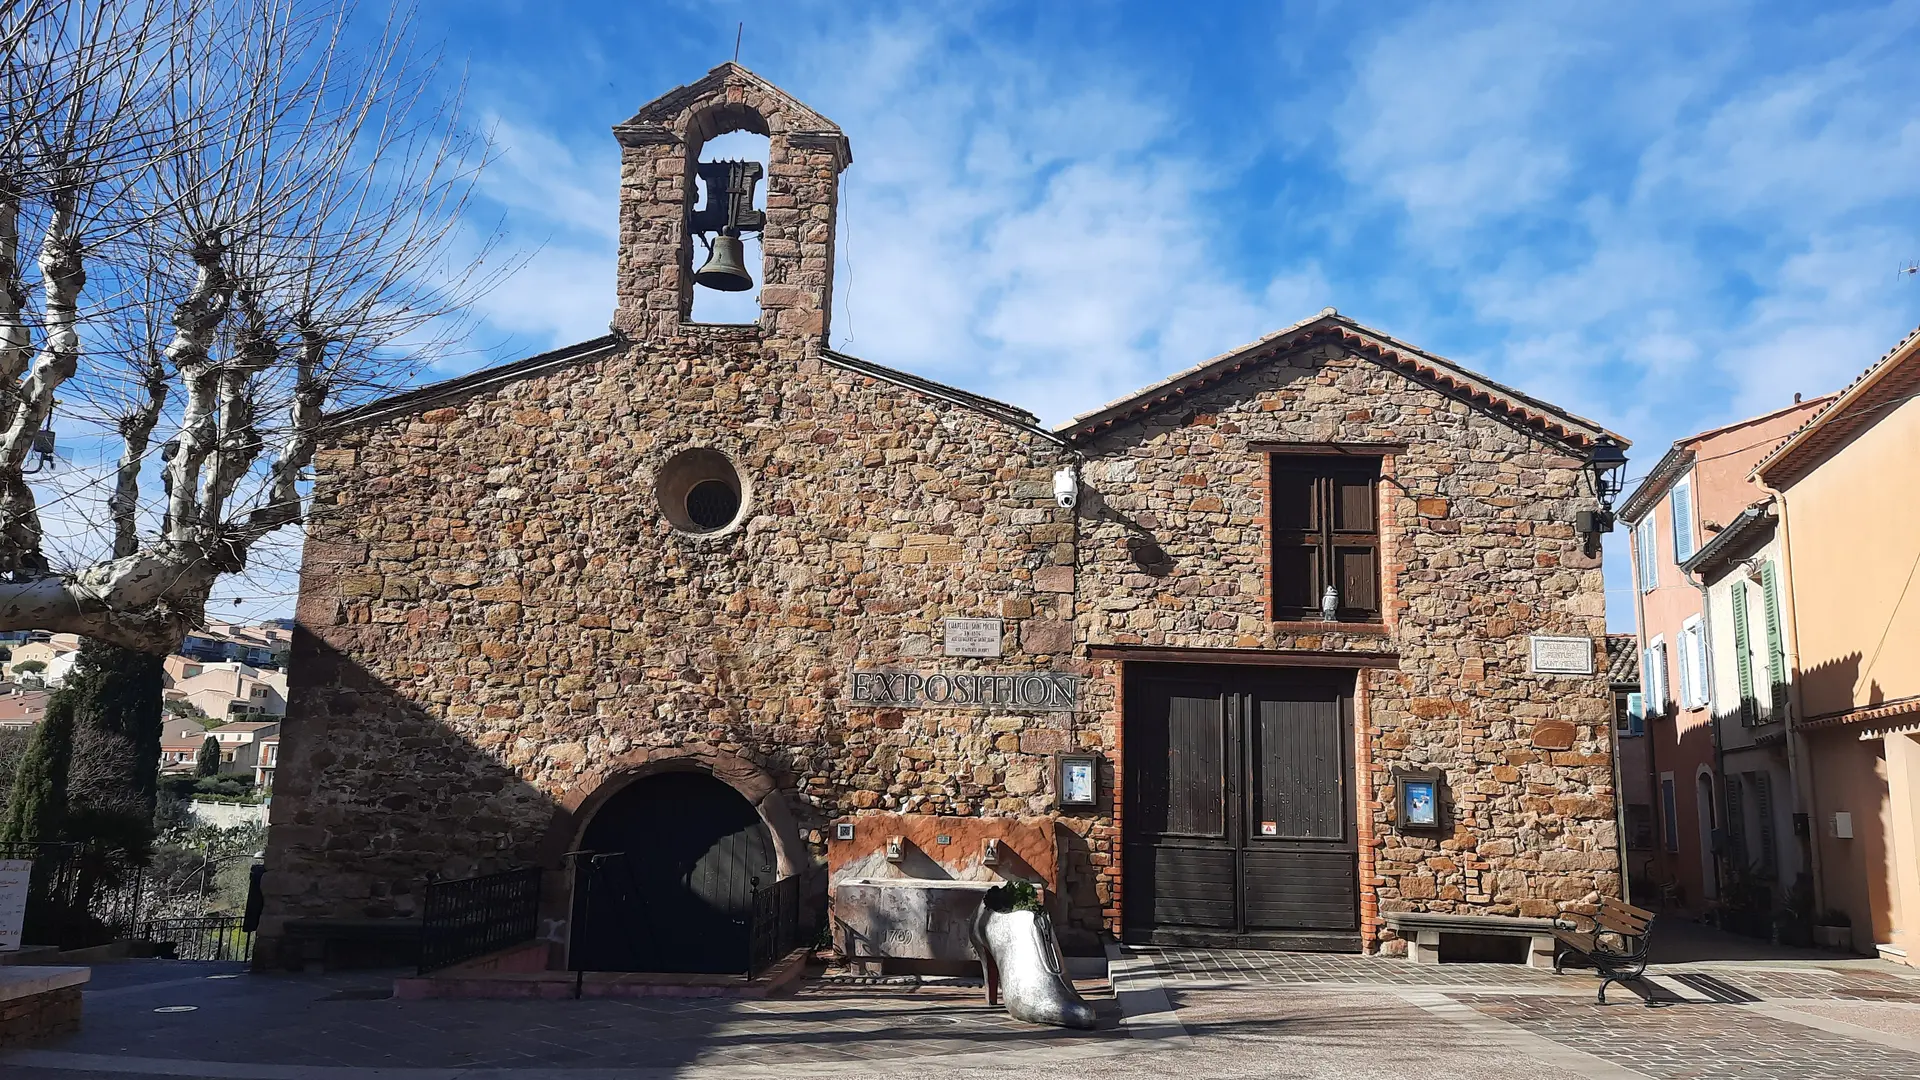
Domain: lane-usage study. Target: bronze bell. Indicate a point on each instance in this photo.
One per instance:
(726, 268)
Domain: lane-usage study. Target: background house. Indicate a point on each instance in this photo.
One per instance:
(54, 655)
(266, 760)
(1761, 858)
(1689, 495)
(21, 706)
(259, 645)
(1637, 792)
(240, 743)
(1848, 532)
(227, 691)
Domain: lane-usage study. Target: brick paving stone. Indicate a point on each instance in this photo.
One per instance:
(1260, 968)
(1836, 983)
(271, 1019)
(1697, 1042)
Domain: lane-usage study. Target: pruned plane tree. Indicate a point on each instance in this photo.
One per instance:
(219, 219)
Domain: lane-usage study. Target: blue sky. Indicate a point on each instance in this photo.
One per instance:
(1661, 219)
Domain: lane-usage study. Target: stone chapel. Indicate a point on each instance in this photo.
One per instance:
(1292, 649)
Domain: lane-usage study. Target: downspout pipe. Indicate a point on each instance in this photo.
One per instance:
(1646, 713)
(1799, 767)
(1713, 726)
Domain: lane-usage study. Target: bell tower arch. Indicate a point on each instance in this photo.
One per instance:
(659, 162)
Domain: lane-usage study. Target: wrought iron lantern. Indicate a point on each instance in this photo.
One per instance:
(1605, 464)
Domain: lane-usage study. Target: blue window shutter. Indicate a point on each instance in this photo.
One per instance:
(1636, 714)
(1686, 674)
(1660, 689)
(1648, 554)
(1681, 503)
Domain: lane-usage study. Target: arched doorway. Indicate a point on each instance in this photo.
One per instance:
(1704, 803)
(669, 884)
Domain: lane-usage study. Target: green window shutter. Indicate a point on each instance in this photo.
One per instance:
(1769, 848)
(1736, 823)
(1776, 646)
(1742, 651)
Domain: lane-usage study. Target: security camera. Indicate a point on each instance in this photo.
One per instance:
(1066, 488)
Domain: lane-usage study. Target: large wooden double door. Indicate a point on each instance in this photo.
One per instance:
(1239, 822)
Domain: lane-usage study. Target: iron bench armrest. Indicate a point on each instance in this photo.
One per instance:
(1624, 957)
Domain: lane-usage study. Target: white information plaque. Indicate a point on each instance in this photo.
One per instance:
(1561, 655)
(973, 637)
(14, 874)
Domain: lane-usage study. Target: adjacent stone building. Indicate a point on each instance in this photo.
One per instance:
(687, 593)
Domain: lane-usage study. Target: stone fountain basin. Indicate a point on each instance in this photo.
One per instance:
(906, 918)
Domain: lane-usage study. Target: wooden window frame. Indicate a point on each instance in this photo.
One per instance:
(1326, 472)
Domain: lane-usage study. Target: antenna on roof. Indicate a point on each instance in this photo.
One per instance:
(738, 31)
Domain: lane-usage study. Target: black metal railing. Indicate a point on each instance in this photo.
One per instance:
(471, 917)
(201, 937)
(786, 916)
(77, 896)
(52, 878)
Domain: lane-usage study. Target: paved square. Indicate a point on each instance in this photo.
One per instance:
(1169, 1012)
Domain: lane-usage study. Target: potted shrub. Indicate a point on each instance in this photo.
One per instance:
(1834, 930)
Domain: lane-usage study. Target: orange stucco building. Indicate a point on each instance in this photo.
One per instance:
(1850, 532)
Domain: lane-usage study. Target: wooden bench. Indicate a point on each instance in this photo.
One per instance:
(1614, 940)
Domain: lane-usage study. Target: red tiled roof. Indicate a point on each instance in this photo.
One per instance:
(1903, 707)
(1891, 379)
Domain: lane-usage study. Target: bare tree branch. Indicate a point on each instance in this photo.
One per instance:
(245, 211)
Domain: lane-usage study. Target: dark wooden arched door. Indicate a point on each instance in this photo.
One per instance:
(669, 886)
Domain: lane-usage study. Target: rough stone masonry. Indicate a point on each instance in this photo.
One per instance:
(500, 620)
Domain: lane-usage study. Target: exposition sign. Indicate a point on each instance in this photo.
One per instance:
(1023, 691)
(14, 875)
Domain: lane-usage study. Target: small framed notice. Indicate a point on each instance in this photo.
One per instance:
(1079, 779)
(973, 637)
(1561, 655)
(1419, 795)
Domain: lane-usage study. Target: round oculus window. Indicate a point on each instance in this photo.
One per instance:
(711, 504)
(699, 491)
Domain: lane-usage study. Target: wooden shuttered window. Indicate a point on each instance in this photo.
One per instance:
(1325, 523)
(1763, 805)
(1680, 502)
(1736, 831)
(1743, 653)
(1776, 644)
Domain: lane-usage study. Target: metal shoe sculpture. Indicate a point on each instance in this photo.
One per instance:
(1019, 955)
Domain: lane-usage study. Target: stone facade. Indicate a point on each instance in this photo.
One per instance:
(1479, 554)
(498, 624)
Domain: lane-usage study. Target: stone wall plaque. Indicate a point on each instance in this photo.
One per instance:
(1561, 655)
(973, 637)
(1017, 691)
(13, 901)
